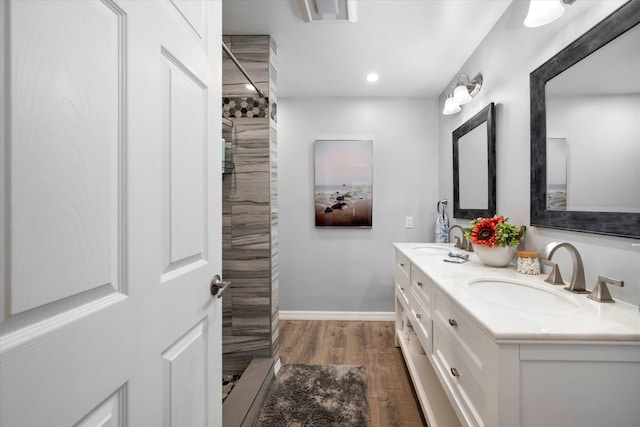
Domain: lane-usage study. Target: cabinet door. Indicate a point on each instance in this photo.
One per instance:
(580, 385)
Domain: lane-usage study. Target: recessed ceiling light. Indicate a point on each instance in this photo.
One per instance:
(372, 77)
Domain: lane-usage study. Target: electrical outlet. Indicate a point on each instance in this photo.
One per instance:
(408, 222)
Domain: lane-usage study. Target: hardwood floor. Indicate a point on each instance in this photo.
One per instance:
(391, 397)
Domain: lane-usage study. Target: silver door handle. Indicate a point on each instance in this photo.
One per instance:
(218, 286)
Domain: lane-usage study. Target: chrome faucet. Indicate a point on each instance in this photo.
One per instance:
(601, 293)
(464, 244)
(577, 284)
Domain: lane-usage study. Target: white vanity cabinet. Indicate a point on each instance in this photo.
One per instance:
(468, 374)
(413, 292)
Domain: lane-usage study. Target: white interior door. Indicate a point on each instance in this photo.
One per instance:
(111, 213)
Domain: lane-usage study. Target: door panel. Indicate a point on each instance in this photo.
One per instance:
(193, 13)
(110, 413)
(110, 213)
(185, 148)
(185, 368)
(66, 220)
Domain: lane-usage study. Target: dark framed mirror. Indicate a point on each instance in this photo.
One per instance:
(585, 109)
(474, 166)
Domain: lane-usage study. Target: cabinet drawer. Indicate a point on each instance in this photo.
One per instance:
(403, 268)
(472, 342)
(469, 395)
(422, 286)
(402, 294)
(421, 321)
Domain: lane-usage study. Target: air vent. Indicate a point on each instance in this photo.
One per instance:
(328, 10)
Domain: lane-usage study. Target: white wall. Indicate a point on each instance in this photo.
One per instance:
(505, 58)
(347, 269)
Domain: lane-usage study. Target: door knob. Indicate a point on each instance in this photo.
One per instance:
(218, 286)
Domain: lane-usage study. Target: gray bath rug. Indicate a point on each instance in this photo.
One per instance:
(317, 395)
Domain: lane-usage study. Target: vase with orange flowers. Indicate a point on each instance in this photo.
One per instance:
(494, 240)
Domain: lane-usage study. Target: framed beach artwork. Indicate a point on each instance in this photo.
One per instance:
(343, 183)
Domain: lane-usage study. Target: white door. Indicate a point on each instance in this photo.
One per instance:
(111, 213)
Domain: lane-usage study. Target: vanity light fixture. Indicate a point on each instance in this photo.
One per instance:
(450, 105)
(542, 12)
(462, 93)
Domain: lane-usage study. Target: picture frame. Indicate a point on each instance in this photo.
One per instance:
(343, 183)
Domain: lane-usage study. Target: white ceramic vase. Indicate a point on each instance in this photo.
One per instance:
(497, 256)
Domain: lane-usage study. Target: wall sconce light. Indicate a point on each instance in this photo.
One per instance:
(542, 12)
(450, 105)
(462, 93)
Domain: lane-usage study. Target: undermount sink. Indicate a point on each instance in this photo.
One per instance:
(522, 296)
(432, 249)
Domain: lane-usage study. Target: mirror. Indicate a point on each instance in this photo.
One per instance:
(474, 166)
(585, 104)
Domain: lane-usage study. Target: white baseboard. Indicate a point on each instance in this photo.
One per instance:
(367, 316)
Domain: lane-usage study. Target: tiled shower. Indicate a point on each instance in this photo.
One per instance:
(249, 206)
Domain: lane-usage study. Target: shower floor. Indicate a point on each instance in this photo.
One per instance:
(228, 382)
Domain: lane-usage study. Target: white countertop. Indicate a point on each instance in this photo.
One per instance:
(575, 318)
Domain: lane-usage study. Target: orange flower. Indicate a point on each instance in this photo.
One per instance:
(485, 231)
(493, 232)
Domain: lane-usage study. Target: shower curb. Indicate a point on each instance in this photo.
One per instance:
(242, 406)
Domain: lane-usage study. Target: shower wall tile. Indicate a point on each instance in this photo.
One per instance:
(239, 350)
(227, 303)
(253, 53)
(257, 44)
(253, 64)
(253, 128)
(273, 50)
(240, 270)
(247, 344)
(254, 317)
(235, 107)
(273, 193)
(250, 214)
(257, 323)
(250, 227)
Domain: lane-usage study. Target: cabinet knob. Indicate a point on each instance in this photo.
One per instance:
(401, 265)
(402, 289)
(455, 372)
(418, 316)
(453, 322)
(420, 284)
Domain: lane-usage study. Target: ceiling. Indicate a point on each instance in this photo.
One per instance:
(416, 46)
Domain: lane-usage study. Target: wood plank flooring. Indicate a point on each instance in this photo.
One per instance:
(391, 396)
